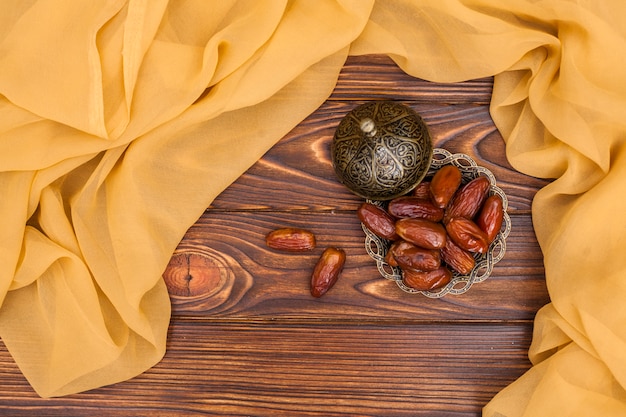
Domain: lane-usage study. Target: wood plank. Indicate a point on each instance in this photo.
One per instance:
(377, 77)
(303, 369)
(223, 268)
(297, 174)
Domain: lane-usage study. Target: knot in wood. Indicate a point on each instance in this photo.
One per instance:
(192, 274)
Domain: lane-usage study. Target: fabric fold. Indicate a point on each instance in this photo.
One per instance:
(38, 40)
(100, 207)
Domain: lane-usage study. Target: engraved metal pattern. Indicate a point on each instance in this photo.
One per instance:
(387, 164)
(377, 247)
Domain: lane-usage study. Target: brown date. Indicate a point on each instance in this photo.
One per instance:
(407, 255)
(422, 190)
(467, 235)
(444, 184)
(456, 258)
(327, 270)
(426, 280)
(377, 220)
(414, 207)
(468, 199)
(290, 239)
(490, 217)
(391, 261)
(421, 232)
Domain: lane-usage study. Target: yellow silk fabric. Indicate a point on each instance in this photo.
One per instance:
(120, 122)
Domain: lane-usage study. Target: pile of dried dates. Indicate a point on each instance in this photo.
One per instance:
(437, 228)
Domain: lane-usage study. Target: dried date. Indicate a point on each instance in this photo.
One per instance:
(444, 184)
(467, 235)
(422, 190)
(456, 258)
(377, 220)
(414, 207)
(423, 233)
(490, 217)
(391, 261)
(327, 270)
(290, 239)
(407, 255)
(426, 280)
(468, 200)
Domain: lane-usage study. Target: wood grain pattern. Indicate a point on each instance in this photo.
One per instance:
(269, 283)
(379, 78)
(247, 338)
(289, 368)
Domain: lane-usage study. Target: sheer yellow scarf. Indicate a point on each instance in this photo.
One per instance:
(120, 122)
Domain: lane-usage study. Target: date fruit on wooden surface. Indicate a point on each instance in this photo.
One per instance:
(490, 217)
(423, 233)
(407, 255)
(426, 280)
(414, 207)
(456, 258)
(378, 220)
(389, 258)
(467, 235)
(290, 239)
(327, 270)
(468, 199)
(422, 190)
(444, 184)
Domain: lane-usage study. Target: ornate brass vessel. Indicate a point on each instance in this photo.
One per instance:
(381, 150)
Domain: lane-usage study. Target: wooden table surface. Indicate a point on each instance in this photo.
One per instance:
(247, 338)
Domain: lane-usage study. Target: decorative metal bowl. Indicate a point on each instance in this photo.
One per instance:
(381, 150)
(377, 247)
